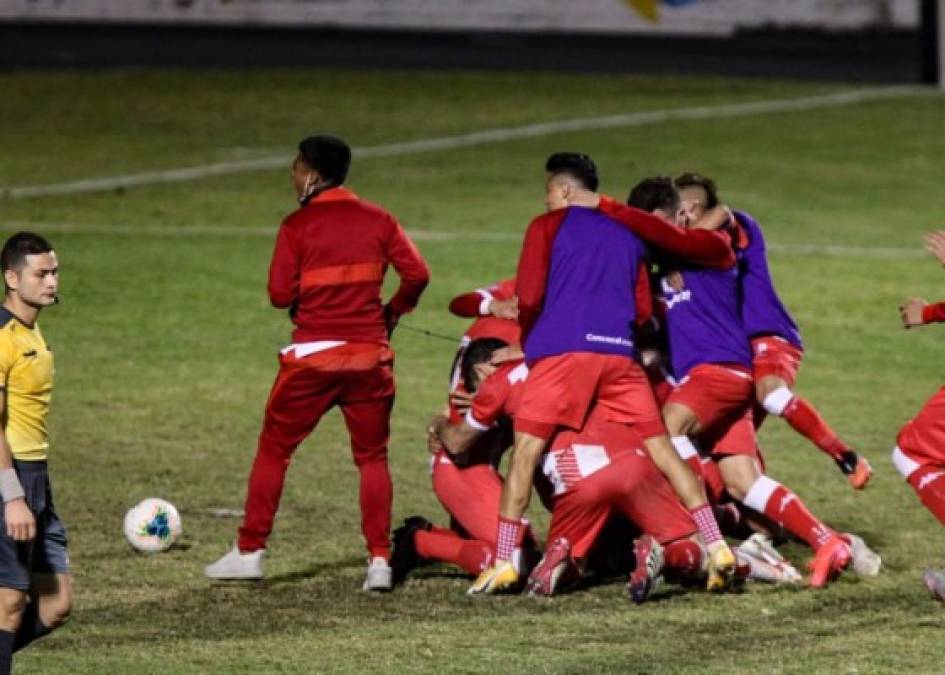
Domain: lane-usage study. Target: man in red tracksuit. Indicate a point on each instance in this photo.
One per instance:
(328, 268)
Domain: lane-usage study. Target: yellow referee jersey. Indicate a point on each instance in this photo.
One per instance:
(26, 374)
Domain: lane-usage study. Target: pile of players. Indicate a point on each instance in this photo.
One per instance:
(627, 366)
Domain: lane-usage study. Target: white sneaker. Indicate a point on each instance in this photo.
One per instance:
(764, 561)
(379, 576)
(866, 562)
(236, 565)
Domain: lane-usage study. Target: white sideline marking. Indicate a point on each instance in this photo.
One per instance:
(475, 138)
(806, 249)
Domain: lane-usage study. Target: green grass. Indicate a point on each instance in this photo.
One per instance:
(165, 348)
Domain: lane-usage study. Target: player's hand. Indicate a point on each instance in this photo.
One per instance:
(461, 400)
(390, 319)
(434, 444)
(713, 219)
(935, 244)
(21, 525)
(911, 312)
(505, 309)
(510, 353)
(499, 578)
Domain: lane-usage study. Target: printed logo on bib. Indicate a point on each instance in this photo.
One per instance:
(674, 286)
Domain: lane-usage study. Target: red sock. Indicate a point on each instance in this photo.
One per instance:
(783, 506)
(929, 483)
(806, 421)
(509, 535)
(683, 556)
(472, 555)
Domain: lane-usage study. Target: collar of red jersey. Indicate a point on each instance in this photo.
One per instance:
(335, 194)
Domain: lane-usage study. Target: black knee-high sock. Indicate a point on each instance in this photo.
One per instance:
(6, 651)
(31, 628)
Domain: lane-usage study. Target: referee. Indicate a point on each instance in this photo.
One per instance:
(35, 582)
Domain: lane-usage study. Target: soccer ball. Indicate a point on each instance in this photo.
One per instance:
(152, 525)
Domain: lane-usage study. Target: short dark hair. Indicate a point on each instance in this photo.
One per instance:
(657, 192)
(329, 155)
(575, 164)
(698, 180)
(20, 245)
(476, 352)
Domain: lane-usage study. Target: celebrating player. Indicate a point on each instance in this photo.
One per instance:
(710, 356)
(579, 275)
(35, 582)
(775, 339)
(328, 267)
(919, 454)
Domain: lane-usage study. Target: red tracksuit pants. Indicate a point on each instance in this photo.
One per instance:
(359, 379)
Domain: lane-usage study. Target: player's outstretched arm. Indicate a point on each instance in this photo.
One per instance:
(935, 244)
(21, 525)
(917, 311)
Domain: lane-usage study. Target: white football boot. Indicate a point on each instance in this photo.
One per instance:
(764, 561)
(379, 576)
(866, 562)
(235, 565)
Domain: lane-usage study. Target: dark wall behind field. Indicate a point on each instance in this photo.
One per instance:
(865, 57)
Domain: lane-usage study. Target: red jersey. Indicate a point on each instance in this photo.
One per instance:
(475, 304)
(329, 264)
(499, 395)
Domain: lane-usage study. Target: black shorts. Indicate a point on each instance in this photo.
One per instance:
(47, 553)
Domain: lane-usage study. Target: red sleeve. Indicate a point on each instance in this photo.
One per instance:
(284, 270)
(489, 403)
(702, 247)
(644, 297)
(934, 313)
(411, 267)
(469, 305)
(533, 265)
(466, 305)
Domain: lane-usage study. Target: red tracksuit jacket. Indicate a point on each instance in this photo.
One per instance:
(329, 265)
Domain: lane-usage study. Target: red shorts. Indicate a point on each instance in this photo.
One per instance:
(718, 395)
(630, 485)
(561, 390)
(775, 356)
(470, 495)
(922, 439)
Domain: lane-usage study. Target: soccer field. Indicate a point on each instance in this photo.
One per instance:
(165, 348)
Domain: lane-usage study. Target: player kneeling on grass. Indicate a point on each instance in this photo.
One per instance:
(463, 472)
(919, 454)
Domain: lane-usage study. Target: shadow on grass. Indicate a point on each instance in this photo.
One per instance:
(314, 571)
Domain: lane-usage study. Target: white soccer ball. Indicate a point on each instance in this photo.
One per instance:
(152, 525)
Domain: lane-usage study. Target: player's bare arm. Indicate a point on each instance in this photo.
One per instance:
(21, 525)
(935, 244)
(456, 438)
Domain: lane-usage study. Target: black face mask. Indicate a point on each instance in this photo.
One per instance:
(314, 191)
